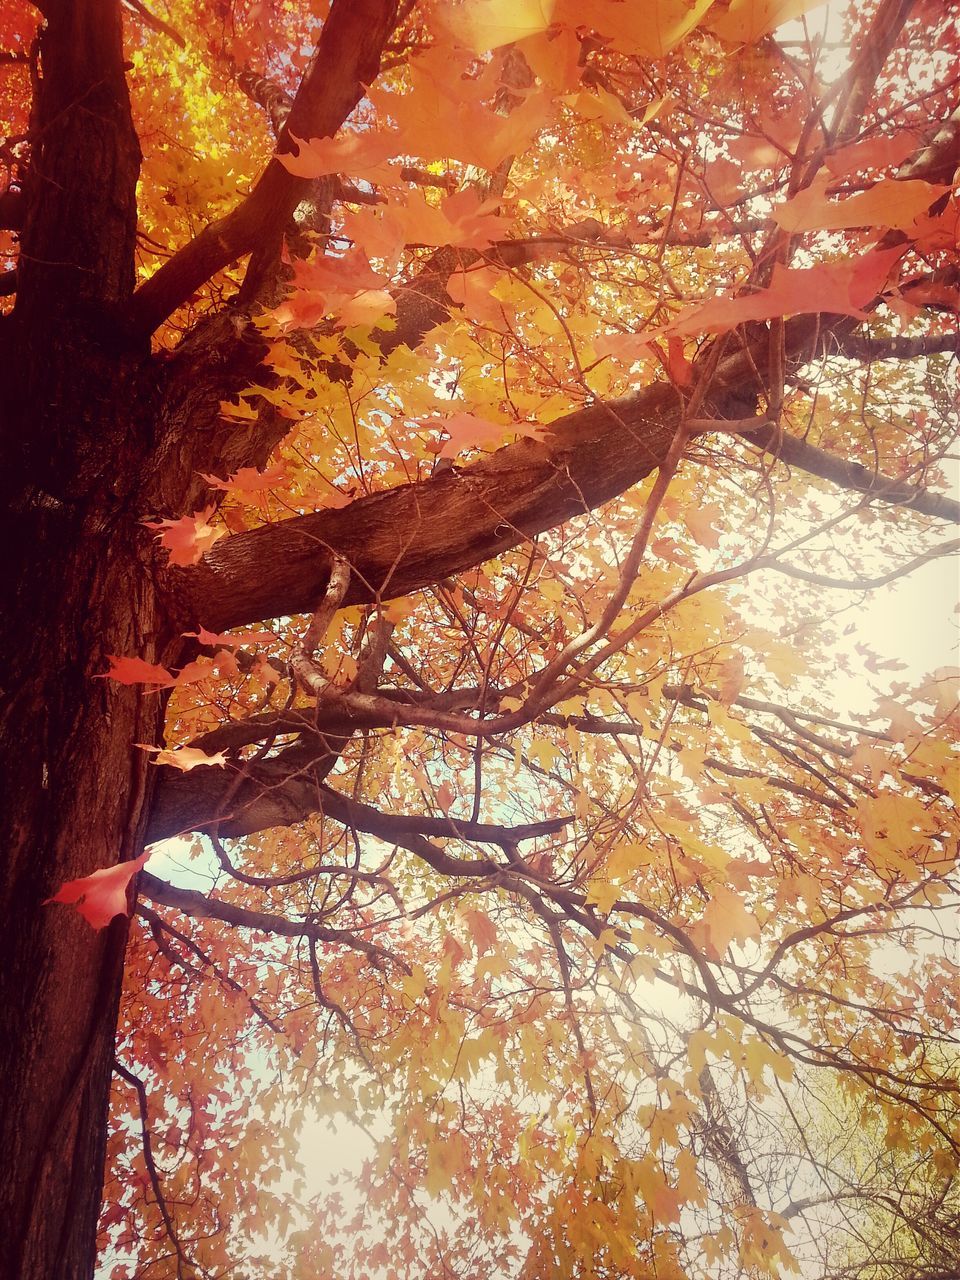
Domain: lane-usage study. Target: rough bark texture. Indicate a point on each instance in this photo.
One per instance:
(78, 586)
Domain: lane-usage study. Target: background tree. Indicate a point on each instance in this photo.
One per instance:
(541, 387)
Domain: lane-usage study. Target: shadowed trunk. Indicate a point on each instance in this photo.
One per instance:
(75, 436)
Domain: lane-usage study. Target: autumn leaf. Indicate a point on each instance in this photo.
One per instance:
(103, 894)
(248, 480)
(230, 639)
(889, 203)
(747, 21)
(483, 25)
(136, 671)
(880, 152)
(355, 154)
(726, 918)
(439, 118)
(467, 431)
(184, 758)
(651, 30)
(843, 288)
(189, 538)
(481, 929)
(130, 670)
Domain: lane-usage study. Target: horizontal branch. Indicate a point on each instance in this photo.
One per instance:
(289, 788)
(412, 536)
(859, 348)
(277, 792)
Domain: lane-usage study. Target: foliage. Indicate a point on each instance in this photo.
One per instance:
(551, 851)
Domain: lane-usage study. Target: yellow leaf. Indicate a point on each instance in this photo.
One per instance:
(483, 25)
(748, 21)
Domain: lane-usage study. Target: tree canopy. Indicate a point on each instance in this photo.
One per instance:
(503, 413)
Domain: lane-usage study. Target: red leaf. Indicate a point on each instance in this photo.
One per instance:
(230, 641)
(103, 894)
(482, 930)
(189, 538)
(136, 671)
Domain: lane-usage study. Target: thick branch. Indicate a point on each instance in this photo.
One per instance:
(859, 348)
(404, 539)
(289, 787)
(11, 209)
(346, 60)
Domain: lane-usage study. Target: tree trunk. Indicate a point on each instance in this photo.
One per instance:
(76, 794)
(76, 434)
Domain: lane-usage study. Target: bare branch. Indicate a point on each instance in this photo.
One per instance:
(203, 907)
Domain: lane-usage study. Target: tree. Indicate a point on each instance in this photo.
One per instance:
(478, 361)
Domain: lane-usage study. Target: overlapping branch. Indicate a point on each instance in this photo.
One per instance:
(345, 61)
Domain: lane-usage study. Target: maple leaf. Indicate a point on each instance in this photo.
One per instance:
(189, 538)
(606, 108)
(651, 29)
(360, 155)
(248, 480)
(889, 203)
(103, 894)
(748, 21)
(843, 288)
(136, 671)
(724, 919)
(482, 930)
(880, 152)
(438, 118)
(467, 431)
(230, 640)
(484, 25)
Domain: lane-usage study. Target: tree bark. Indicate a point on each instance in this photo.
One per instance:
(78, 584)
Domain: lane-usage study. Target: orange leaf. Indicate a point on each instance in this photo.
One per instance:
(482, 930)
(724, 919)
(483, 25)
(230, 641)
(438, 119)
(650, 29)
(747, 21)
(360, 155)
(467, 431)
(873, 153)
(247, 480)
(184, 758)
(843, 288)
(889, 203)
